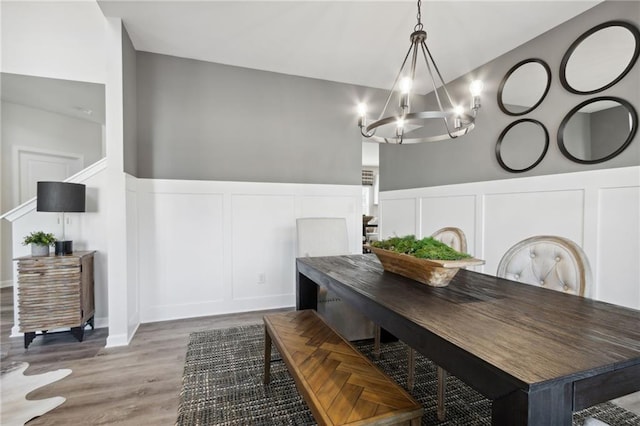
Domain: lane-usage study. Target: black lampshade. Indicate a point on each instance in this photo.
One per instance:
(61, 197)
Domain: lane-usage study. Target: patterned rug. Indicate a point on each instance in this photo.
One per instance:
(222, 385)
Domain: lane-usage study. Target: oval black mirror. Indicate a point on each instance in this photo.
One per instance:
(522, 145)
(524, 87)
(600, 57)
(597, 130)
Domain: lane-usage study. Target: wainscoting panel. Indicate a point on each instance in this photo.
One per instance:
(441, 212)
(181, 252)
(263, 245)
(398, 217)
(599, 210)
(209, 248)
(619, 237)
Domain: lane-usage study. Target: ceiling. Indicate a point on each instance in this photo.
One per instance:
(81, 100)
(356, 42)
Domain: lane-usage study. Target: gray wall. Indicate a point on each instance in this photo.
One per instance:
(205, 121)
(472, 158)
(129, 105)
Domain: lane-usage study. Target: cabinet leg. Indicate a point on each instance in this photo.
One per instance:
(78, 333)
(90, 322)
(28, 338)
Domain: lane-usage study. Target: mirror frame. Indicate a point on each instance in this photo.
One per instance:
(627, 142)
(504, 133)
(514, 69)
(565, 59)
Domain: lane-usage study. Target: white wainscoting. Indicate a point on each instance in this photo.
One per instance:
(207, 248)
(599, 210)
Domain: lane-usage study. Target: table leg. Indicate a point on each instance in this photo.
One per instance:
(267, 355)
(549, 406)
(306, 294)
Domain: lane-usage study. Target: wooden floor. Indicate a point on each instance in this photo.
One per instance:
(134, 385)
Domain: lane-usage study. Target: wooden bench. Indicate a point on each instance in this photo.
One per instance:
(340, 385)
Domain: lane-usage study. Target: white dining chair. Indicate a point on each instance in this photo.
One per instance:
(548, 261)
(328, 236)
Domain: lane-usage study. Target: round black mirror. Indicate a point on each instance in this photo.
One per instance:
(597, 130)
(522, 145)
(524, 87)
(600, 57)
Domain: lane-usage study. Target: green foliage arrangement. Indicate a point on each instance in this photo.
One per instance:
(426, 248)
(39, 238)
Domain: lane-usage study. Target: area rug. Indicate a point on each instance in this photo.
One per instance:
(222, 385)
(16, 409)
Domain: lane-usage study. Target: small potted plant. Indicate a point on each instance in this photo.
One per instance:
(40, 242)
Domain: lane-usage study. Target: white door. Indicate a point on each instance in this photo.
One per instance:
(37, 166)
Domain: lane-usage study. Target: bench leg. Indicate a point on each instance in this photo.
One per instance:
(267, 356)
(442, 388)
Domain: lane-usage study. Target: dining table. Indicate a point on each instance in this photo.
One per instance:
(537, 354)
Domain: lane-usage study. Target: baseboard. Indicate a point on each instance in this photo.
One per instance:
(6, 283)
(101, 322)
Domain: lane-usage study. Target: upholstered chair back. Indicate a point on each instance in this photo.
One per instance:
(322, 236)
(548, 261)
(453, 237)
(328, 236)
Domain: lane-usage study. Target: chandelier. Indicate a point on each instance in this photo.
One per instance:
(407, 126)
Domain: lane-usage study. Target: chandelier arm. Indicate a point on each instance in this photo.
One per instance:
(435, 66)
(425, 51)
(395, 82)
(367, 135)
(414, 59)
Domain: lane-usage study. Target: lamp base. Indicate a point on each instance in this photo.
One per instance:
(64, 247)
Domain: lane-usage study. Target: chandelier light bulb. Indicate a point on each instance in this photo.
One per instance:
(457, 121)
(400, 123)
(362, 109)
(476, 87)
(405, 85)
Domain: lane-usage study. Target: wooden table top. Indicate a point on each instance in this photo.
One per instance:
(533, 334)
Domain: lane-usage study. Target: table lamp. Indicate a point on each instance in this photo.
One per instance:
(61, 197)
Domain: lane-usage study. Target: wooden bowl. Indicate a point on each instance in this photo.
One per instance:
(436, 273)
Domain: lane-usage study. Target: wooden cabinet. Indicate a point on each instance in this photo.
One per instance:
(55, 292)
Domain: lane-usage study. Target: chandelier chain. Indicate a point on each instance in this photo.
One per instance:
(419, 25)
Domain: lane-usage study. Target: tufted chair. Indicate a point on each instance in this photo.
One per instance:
(328, 236)
(548, 261)
(454, 238)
